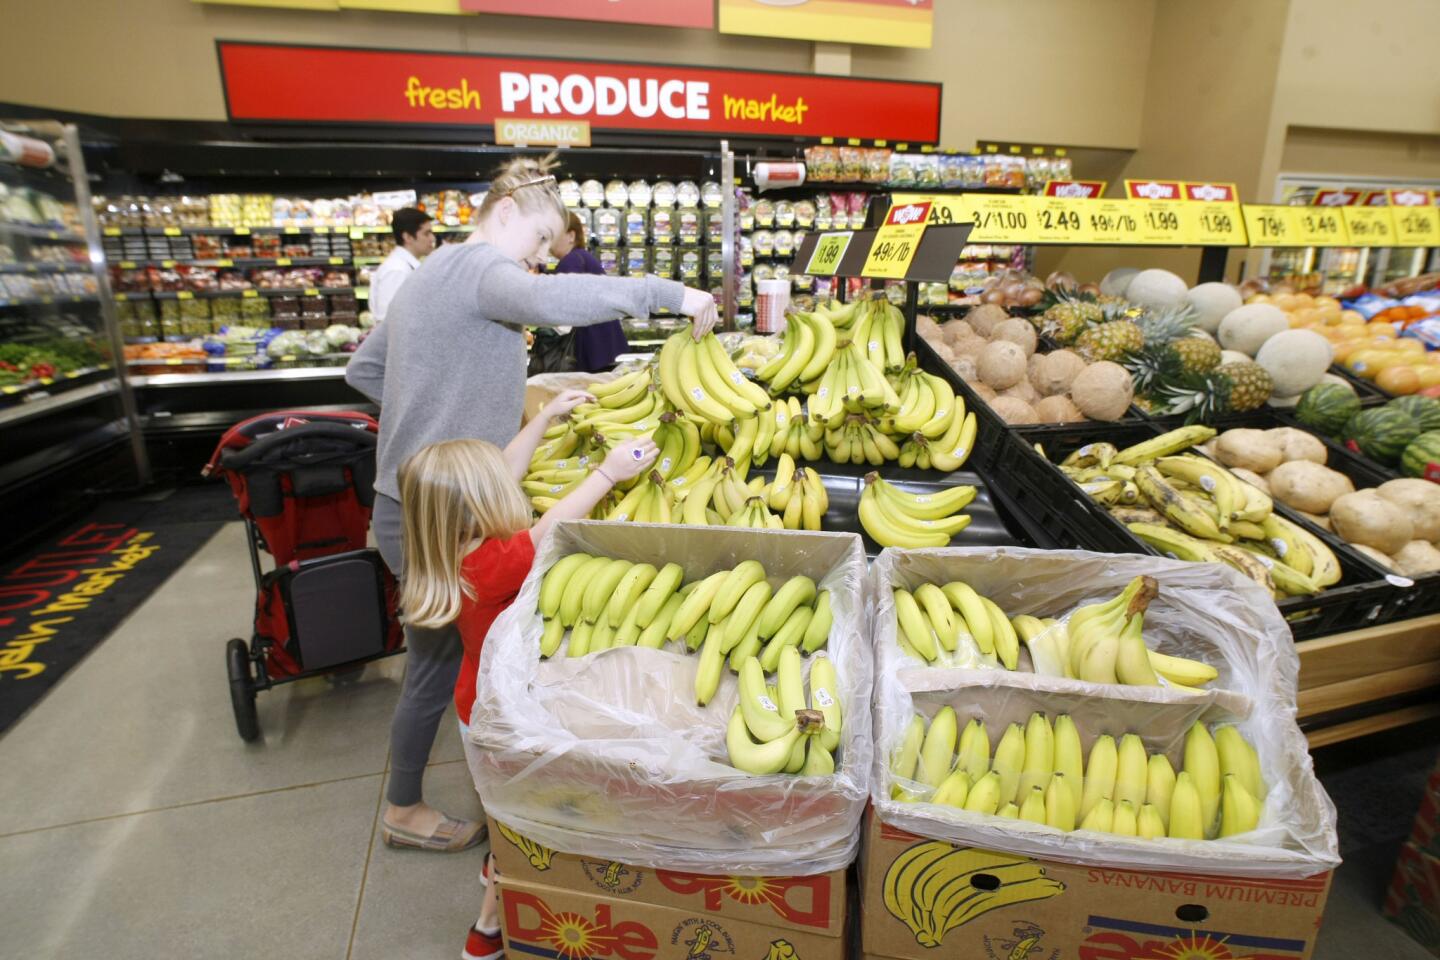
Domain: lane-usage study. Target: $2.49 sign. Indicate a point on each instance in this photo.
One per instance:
(897, 240)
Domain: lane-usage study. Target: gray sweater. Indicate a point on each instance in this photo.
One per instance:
(449, 362)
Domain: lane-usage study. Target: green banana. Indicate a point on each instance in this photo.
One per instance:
(557, 578)
(817, 634)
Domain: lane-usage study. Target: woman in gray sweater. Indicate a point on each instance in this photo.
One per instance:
(448, 363)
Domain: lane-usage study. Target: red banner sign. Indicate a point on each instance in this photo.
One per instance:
(1335, 198)
(662, 13)
(265, 82)
(1084, 189)
(1410, 197)
(1211, 192)
(1153, 190)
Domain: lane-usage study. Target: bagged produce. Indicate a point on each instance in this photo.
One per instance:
(608, 755)
(1208, 613)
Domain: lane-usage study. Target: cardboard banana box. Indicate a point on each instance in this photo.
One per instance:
(925, 899)
(815, 904)
(549, 923)
(1413, 902)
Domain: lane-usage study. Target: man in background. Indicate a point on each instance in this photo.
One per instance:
(414, 239)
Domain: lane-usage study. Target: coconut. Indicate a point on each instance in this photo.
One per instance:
(929, 330)
(1014, 410)
(958, 330)
(969, 347)
(1295, 360)
(1018, 331)
(1114, 283)
(1058, 370)
(1058, 410)
(984, 317)
(965, 367)
(1002, 364)
(1156, 288)
(1212, 301)
(1032, 371)
(983, 391)
(1103, 391)
(1023, 390)
(944, 351)
(1247, 328)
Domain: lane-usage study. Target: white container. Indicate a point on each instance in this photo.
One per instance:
(771, 300)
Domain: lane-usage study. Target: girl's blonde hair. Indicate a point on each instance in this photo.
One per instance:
(530, 182)
(451, 493)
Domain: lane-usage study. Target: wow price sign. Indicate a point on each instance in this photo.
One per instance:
(897, 240)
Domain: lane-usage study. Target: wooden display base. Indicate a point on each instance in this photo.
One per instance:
(1349, 670)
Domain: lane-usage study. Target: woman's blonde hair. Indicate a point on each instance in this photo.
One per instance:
(530, 182)
(451, 493)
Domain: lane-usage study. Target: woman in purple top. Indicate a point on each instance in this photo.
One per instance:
(596, 347)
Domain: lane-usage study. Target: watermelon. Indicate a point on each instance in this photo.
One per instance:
(1380, 433)
(1425, 410)
(1422, 457)
(1326, 407)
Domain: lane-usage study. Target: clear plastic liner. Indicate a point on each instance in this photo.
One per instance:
(608, 756)
(1207, 612)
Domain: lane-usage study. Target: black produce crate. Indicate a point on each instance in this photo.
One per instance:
(845, 482)
(1056, 513)
(1370, 394)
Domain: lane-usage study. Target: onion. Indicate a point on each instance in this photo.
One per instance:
(1091, 288)
(1030, 296)
(1012, 290)
(1253, 286)
(1059, 280)
(993, 296)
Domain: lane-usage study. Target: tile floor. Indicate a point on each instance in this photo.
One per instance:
(134, 823)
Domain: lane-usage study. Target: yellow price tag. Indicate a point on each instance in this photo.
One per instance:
(362, 293)
(167, 264)
(122, 297)
(896, 241)
(320, 230)
(1271, 225)
(172, 231)
(1321, 227)
(311, 292)
(248, 294)
(1417, 226)
(1058, 220)
(945, 209)
(1160, 222)
(337, 260)
(127, 264)
(1369, 226)
(282, 261)
(112, 231)
(829, 251)
(357, 234)
(1114, 221)
(224, 263)
(292, 230)
(184, 295)
(241, 231)
(997, 218)
(1213, 224)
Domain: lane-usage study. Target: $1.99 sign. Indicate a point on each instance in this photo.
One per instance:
(897, 240)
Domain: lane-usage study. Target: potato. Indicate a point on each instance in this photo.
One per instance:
(1418, 557)
(1299, 445)
(1251, 449)
(1420, 499)
(1307, 486)
(1374, 554)
(1252, 478)
(1322, 522)
(1368, 518)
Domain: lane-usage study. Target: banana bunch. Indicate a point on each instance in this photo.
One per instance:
(797, 495)
(929, 888)
(700, 380)
(1047, 640)
(806, 349)
(1105, 641)
(1190, 508)
(851, 384)
(1040, 773)
(775, 729)
(857, 438)
(896, 518)
(650, 501)
(933, 620)
(926, 403)
(947, 452)
(794, 434)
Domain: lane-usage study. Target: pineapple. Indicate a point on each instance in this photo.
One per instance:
(1068, 317)
(1112, 340)
(1230, 388)
(1196, 354)
(1166, 324)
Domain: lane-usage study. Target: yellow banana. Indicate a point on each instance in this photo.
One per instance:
(974, 749)
(757, 758)
(825, 697)
(1009, 761)
(937, 608)
(1124, 822)
(1239, 809)
(796, 591)
(712, 663)
(696, 604)
(1238, 758)
(985, 794)
(1099, 774)
(974, 612)
(1039, 764)
(746, 614)
(1007, 645)
(1289, 548)
(1160, 785)
(1148, 825)
(913, 627)
(664, 584)
(1101, 817)
(953, 790)
(788, 635)
(1059, 804)
(654, 635)
(627, 634)
(905, 758)
(929, 506)
(550, 639)
(579, 639)
(572, 601)
(938, 749)
(745, 575)
(1032, 807)
(636, 579)
(1202, 762)
(1186, 819)
(557, 579)
(817, 634)
(1131, 770)
(1069, 757)
(1164, 445)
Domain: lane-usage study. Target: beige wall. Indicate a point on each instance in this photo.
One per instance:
(1361, 154)
(156, 58)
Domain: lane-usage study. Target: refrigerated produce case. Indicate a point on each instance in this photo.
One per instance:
(67, 417)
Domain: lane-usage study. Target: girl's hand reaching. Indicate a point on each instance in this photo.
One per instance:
(630, 459)
(567, 400)
(699, 306)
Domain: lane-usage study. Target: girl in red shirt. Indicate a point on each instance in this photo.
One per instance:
(468, 546)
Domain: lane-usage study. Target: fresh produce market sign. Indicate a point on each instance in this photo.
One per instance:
(343, 85)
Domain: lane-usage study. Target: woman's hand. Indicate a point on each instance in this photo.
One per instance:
(699, 306)
(567, 400)
(630, 459)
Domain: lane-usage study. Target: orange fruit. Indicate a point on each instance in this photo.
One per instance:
(1326, 302)
(1381, 328)
(1352, 316)
(1409, 345)
(1398, 380)
(1429, 375)
(1364, 362)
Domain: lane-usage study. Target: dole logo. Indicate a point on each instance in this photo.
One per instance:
(1210, 192)
(909, 213)
(1152, 190)
(776, 892)
(570, 935)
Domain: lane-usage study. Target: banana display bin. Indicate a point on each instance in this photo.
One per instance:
(1070, 886)
(608, 756)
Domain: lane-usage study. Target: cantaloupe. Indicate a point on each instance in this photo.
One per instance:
(1212, 301)
(1156, 288)
(1295, 360)
(1116, 281)
(1247, 328)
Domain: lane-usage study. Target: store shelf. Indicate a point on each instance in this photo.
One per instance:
(41, 233)
(41, 406)
(46, 301)
(242, 294)
(166, 380)
(83, 268)
(239, 263)
(250, 231)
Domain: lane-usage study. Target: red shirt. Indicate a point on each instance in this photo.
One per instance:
(495, 570)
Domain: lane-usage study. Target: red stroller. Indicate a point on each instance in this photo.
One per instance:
(304, 482)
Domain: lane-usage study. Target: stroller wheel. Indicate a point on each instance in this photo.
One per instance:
(242, 693)
(346, 676)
